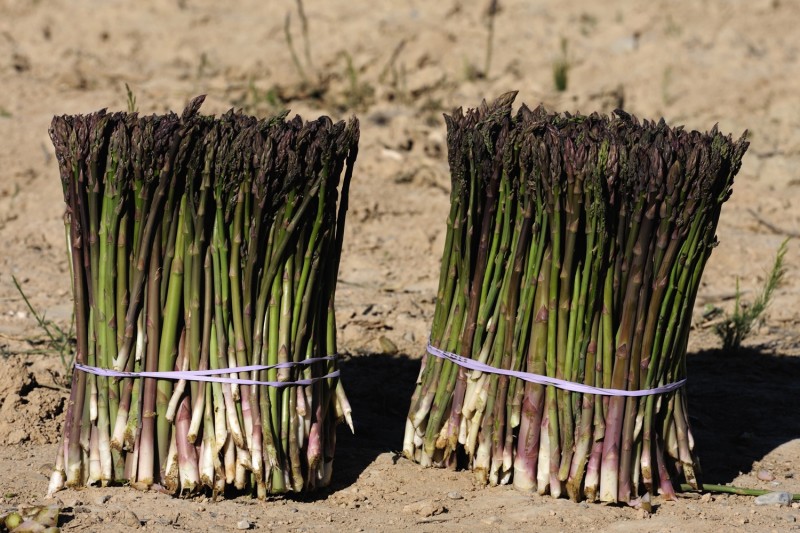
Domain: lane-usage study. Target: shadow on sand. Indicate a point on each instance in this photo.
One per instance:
(742, 405)
(379, 387)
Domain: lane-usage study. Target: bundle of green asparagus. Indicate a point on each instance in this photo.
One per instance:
(200, 244)
(574, 250)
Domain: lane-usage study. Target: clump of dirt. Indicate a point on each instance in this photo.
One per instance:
(29, 412)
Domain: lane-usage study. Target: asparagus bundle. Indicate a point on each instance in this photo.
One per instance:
(200, 244)
(574, 250)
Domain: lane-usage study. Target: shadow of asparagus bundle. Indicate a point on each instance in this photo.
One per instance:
(200, 244)
(574, 250)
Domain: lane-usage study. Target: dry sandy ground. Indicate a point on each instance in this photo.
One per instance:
(398, 66)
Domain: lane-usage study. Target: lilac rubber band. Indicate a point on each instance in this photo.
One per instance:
(546, 380)
(213, 375)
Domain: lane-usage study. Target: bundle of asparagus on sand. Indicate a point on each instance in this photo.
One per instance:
(574, 250)
(200, 244)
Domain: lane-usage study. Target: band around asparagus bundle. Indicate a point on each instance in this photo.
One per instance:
(574, 250)
(199, 244)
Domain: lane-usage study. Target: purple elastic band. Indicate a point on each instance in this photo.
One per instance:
(546, 380)
(212, 375)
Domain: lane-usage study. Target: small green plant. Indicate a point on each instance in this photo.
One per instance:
(202, 65)
(491, 13)
(287, 32)
(561, 68)
(671, 27)
(359, 92)
(666, 84)
(588, 24)
(738, 325)
(258, 101)
(301, 11)
(58, 340)
(395, 75)
(131, 99)
(471, 72)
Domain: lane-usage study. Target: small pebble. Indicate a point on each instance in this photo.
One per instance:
(243, 524)
(129, 519)
(388, 347)
(102, 499)
(791, 518)
(645, 503)
(707, 498)
(765, 475)
(424, 508)
(491, 520)
(70, 502)
(455, 495)
(772, 498)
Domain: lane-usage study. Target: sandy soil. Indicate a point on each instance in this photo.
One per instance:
(398, 66)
